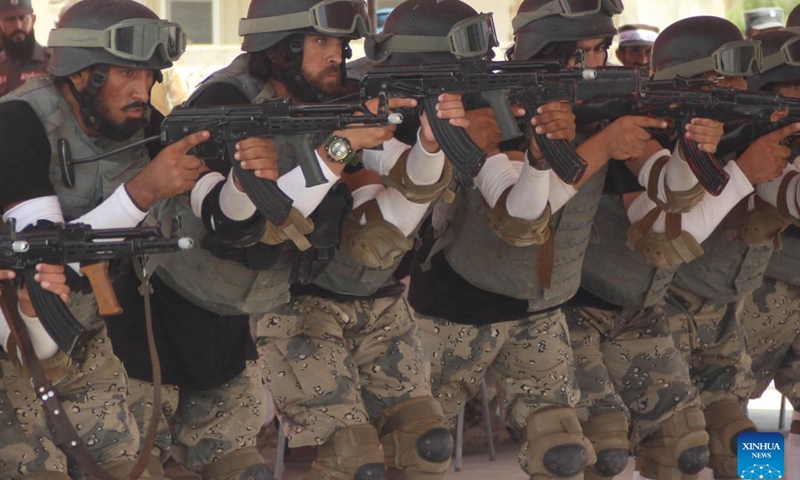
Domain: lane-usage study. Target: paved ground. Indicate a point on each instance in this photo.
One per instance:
(764, 411)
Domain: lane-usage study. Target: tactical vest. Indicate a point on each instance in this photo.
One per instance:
(614, 272)
(727, 271)
(785, 263)
(348, 277)
(222, 286)
(485, 260)
(95, 181)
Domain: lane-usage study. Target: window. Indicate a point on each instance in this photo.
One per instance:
(196, 17)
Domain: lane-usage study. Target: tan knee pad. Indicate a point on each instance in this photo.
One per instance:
(415, 439)
(556, 447)
(608, 433)
(243, 464)
(352, 453)
(45, 475)
(678, 450)
(725, 420)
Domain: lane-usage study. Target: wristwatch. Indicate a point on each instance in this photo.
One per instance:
(339, 150)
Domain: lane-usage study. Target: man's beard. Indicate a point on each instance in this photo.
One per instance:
(119, 132)
(19, 50)
(313, 90)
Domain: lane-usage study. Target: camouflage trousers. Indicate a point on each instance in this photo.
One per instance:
(711, 337)
(94, 395)
(627, 361)
(531, 358)
(772, 322)
(331, 364)
(197, 428)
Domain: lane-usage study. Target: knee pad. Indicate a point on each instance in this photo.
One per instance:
(555, 445)
(725, 420)
(415, 439)
(608, 433)
(352, 453)
(678, 450)
(243, 464)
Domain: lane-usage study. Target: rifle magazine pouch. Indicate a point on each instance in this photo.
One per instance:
(376, 243)
(677, 202)
(516, 231)
(295, 229)
(399, 180)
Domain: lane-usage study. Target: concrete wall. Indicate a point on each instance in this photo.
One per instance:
(203, 59)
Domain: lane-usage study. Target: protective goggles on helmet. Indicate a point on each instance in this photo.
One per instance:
(471, 37)
(789, 54)
(733, 59)
(328, 17)
(568, 9)
(135, 39)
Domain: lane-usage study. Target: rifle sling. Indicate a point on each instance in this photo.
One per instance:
(64, 434)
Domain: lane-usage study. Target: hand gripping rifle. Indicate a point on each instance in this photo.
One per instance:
(759, 123)
(680, 100)
(78, 243)
(546, 81)
(297, 130)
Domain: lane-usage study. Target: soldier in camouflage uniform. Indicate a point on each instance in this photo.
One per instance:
(706, 294)
(771, 316)
(96, 99)
(343, 359)
(523, 335)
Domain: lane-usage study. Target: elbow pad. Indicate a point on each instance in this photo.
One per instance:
(229, 232)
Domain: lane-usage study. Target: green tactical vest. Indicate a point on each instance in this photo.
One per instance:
(785, 263)
(94, 182)
(222, 286)
(485, 260)
(727, 271)
(614, 272)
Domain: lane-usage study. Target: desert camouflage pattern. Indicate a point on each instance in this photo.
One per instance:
(94, 395)
(771, 318)
(711, 337)
(628, 360)
(531, 359)
(331, 364)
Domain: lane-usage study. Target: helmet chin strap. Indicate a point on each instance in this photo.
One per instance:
(86, 98)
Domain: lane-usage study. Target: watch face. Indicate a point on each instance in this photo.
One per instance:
(338, 150)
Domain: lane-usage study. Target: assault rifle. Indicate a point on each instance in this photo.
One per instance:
(78, 243)
(547, 81)
(296, 129)
(681, 105)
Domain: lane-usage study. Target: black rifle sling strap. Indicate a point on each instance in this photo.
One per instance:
(65, 436)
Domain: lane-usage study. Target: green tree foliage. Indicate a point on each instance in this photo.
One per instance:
(736, 11)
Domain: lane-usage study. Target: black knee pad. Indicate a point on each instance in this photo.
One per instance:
(693, 460)
(435, 445)
(611, 462)
(566, 460)
(371, 471)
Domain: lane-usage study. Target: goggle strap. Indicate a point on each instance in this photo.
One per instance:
(78, 37)
(413, 44)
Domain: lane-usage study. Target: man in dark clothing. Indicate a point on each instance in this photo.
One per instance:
(22, 57)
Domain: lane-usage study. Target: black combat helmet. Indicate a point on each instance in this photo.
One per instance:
(781, 63)
(432, 31)
(540, 22)
(138, 38)
(794, 18)
(270, 21)
(697, 45)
